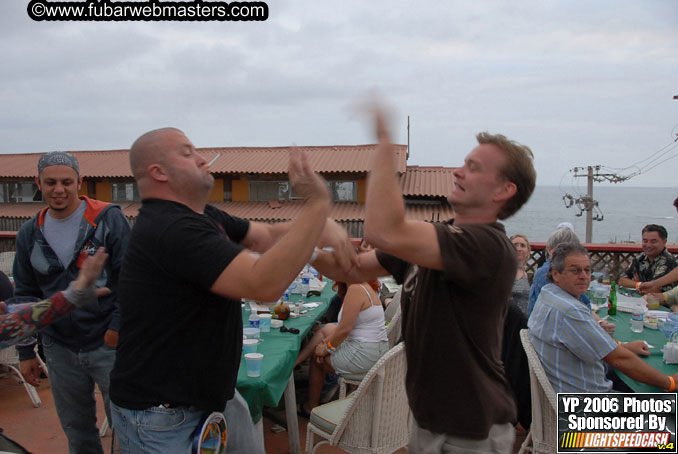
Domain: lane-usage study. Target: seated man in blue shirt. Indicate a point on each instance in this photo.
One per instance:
(560, 236)
(571, 345)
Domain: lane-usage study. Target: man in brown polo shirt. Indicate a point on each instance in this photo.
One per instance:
(457, 278)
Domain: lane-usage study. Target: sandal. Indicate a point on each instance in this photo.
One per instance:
(302, 412)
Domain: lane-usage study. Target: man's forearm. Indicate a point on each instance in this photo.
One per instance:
(278, 230)
(634, 367)
(326, 264)
(626, 282)
(384, 208)
(280, 264)
(367, 268)
(27, 321)
(669, 278)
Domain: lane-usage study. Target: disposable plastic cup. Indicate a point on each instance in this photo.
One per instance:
(250, 345)
(652, 303)
(251, 333)
(253, 362)
(16, 303)
(265, 322)
(665, 327)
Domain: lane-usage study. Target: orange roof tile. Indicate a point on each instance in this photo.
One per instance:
(427, 181)
(339, 158)
(20, 210)
(259, 211)
(115, 163)
(262, 211)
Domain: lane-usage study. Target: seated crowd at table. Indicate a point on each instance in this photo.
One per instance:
(171, 287)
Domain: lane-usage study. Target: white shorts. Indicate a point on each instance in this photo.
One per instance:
(355, 357)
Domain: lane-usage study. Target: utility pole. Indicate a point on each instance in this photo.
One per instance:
(589, 212)
(408, 138)
(587, 203)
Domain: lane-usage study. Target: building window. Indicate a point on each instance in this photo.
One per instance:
(228, 190)
(124, 192)
(343, 191)
(19, 193)
(263, 191)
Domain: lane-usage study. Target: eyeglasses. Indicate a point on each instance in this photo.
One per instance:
(577, 271)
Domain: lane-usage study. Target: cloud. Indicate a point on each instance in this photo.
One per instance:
(577, 81)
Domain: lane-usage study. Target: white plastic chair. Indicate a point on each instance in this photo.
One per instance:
(393, 306)
(10, 357)
(542, 437)
(7, 262)
(374, 419)
(393, 330)
(345, 380)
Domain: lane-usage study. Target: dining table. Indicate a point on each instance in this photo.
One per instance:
(280, 350)
(654, 337)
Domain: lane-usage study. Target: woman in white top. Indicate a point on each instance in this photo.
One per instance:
(352, 346)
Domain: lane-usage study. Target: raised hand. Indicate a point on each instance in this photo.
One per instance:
(90, 270)
(336, 237)
(305, 182)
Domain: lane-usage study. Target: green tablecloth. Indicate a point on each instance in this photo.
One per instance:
(653, 337)
(280, 352)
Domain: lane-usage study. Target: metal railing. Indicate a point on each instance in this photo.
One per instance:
(614, 258)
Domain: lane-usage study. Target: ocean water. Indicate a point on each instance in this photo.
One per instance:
(626, 210)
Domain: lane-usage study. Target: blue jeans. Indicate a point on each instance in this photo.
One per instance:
(72, 377)
(160, 430)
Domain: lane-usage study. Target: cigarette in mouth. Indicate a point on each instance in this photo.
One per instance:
(209, 164)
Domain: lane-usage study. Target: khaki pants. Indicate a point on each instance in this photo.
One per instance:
(499, 440)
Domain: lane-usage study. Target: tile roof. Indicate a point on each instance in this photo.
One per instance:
(264, 211)
(260, 211)
(427, 181)
(339, 158)
(115, 163)
(103, 164)
(20, 210)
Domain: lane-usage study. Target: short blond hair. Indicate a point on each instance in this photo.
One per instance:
(519, 169)
(520, 235)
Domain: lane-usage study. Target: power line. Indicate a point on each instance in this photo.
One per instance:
(651, 157)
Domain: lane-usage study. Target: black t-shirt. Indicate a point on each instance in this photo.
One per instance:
(453, 324)
(180, 344)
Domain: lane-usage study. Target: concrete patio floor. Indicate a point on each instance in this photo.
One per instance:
(38, 429)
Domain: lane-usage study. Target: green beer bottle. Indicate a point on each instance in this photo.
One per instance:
(612, 300)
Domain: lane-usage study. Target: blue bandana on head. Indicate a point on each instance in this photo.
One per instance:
(58, 158)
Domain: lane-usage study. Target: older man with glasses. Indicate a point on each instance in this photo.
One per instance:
(571, 345)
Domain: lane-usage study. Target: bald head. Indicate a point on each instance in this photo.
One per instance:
(149, 149)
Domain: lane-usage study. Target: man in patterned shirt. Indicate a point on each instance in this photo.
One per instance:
(654, 262)
(571, 345)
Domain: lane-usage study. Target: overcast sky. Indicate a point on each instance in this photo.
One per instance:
(580, 82)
